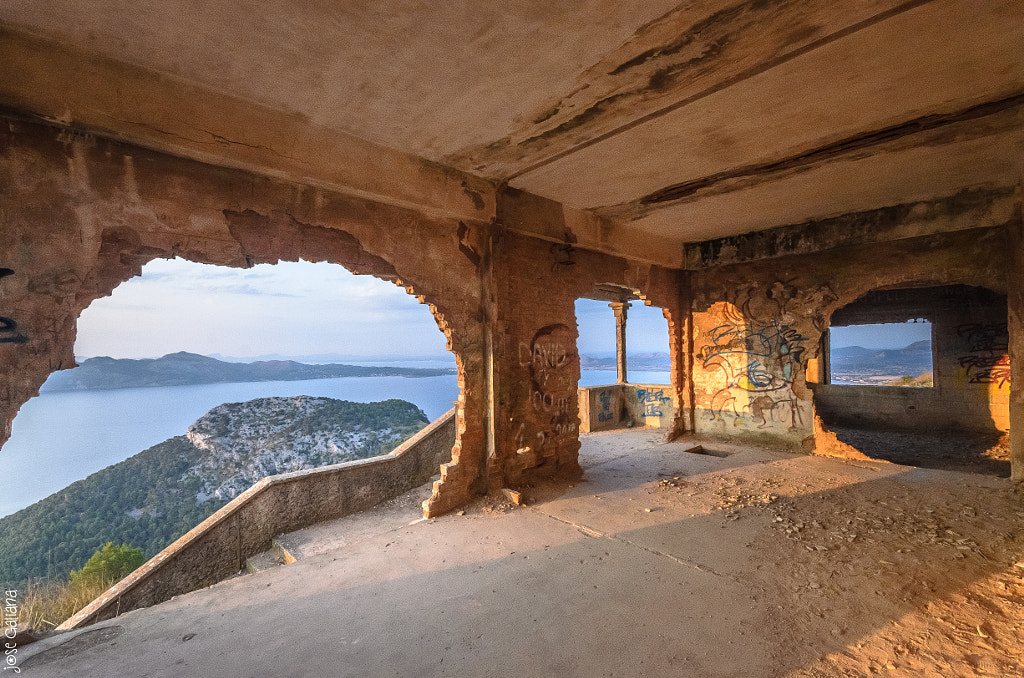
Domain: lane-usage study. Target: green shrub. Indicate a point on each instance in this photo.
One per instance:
(108, 565)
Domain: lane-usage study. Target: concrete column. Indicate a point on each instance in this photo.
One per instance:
(1015, 313)
(620, 308)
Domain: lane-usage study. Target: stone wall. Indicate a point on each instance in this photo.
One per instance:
(218, 547)
(81, 214)
(615, 406)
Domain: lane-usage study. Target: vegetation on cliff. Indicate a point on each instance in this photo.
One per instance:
(157, 495)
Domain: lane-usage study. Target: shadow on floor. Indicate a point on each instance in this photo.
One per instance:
(970, 452)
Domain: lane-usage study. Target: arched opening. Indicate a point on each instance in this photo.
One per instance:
(625, 362)
(178, 343)
(921, 377)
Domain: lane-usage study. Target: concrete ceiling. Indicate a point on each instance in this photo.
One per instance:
(674, 121)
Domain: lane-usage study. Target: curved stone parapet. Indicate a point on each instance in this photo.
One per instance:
(218, 547)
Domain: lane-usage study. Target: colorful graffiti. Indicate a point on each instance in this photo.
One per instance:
(756, 360)
(987, 360)
(652, 401)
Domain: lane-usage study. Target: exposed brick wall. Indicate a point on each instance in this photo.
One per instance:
(535, 355)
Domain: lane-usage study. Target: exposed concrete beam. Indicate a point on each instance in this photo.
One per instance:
(532, 215)
(1003, 114)
(107, 98)
(967, 209)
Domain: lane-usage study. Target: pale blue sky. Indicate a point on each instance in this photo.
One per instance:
(290, 308)
(646, 328)
(882, 335)
(304, 309)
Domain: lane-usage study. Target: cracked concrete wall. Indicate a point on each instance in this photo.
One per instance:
(80, 214)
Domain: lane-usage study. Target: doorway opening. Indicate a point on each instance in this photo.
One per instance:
(625, 364)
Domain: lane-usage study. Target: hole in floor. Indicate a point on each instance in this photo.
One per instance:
(700, 449)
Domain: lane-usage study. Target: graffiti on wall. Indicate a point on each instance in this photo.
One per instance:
(759, 361)
(551, 360)
(651, 401)
(605, 414)
(9, 333)
(986, 360)
(755, 350)
(754, 358)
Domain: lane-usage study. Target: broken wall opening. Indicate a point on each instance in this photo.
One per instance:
(961, 422)
(636, 345)
(881, 354)
(102, 424)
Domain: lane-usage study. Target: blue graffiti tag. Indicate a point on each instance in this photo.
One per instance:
(651, 401)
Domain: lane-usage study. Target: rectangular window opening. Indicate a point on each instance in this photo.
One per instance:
(882, 354)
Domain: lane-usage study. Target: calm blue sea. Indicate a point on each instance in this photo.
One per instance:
(58, 438)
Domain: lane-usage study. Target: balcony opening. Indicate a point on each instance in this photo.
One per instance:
(920, 377)
(625, 364)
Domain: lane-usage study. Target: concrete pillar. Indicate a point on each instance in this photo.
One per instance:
(1015, 313)
(620, 308)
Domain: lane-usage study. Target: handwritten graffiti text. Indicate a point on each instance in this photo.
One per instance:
(986, 360)
(652, 401)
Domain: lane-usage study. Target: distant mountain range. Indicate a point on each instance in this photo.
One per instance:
(159, 494)
(647, 362)
(180, 369)
(856, 363)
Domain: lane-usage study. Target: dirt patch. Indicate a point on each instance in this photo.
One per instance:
(911, 582)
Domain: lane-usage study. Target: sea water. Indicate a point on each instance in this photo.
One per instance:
(58, 438)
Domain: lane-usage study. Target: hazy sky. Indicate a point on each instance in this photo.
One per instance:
(304, 309)
(292, 309)
(297, 309)
(886, 335)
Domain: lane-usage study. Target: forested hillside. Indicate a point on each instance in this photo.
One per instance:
(155, 496)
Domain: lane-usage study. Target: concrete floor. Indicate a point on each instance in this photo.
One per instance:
(658, 563)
